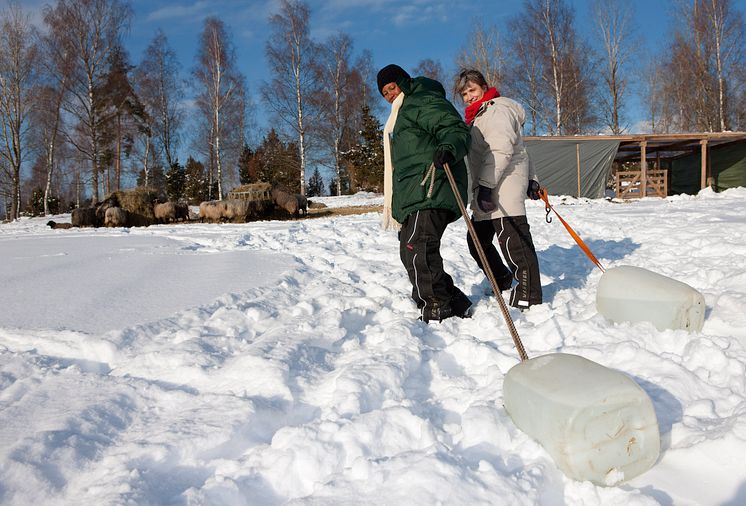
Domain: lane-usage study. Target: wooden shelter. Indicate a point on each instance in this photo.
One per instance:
(253, 191)
(656, 157)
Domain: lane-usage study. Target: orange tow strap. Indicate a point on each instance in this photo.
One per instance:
(545, 197)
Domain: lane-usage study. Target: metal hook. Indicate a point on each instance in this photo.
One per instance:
(547, 207)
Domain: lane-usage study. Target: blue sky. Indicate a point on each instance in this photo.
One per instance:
(396, 31)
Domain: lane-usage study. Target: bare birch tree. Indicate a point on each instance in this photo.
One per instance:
(364, 65)
(581, 111)
(725, 27)
(613, 23)
(703, 63)
(221, 91)
(740, 123)
(560, 96)
(432, 69)
(88, 31)
(161, 91)
(483, 52)
(524, 78)
(18, 67)
(553, 24)
(56, 65)
(651, 93)
(291, 54)
(46, 121)
(339, 101)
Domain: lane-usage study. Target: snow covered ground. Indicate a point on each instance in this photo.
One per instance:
(282, 362)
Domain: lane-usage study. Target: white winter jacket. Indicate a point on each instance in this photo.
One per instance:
(498, 158)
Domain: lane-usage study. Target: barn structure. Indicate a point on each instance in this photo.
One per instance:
(642, 164)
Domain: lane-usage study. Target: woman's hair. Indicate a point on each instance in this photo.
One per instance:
(466, 76)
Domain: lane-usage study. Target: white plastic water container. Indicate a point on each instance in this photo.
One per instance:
(633, 294)
(596, 423)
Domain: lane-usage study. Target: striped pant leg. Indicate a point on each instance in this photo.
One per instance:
(485, 232)
(517, 246)
(419, 250)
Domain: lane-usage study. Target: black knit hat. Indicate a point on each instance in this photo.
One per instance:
(390, 74)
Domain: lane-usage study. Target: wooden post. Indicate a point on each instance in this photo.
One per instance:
(703, 174)
(643, 168)
(577, 158)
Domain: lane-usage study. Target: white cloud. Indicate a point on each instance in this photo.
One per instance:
(641, 127)
(179, 11)
(399, 13)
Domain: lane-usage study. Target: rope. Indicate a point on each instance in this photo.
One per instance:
(431, 174)
(487, 269)
(545, 197)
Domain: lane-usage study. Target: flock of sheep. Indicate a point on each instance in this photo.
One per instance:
(110, 213)
(128, 209)
(242, 210)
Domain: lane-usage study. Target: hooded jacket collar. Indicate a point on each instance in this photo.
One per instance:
(421, 84)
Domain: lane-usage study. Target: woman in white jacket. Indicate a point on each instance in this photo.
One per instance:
(502, 176)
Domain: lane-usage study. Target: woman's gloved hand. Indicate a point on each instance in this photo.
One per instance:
(533, 190)
(442, 157)
(484, 199)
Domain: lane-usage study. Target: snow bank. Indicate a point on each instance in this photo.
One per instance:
(300, 373)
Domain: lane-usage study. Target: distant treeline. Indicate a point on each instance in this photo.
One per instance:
(80, 120)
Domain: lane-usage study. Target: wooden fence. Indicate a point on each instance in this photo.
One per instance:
(629, 184)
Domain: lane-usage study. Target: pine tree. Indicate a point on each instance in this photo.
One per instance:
(333, 187)
(122, 115)
(156, 180)
(315, 184)
(36, 203)
(278, 162)
(365, 159)
(246, 169)
(175, 181)
(195, 182)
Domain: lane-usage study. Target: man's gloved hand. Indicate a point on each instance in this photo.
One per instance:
(441, 157)
(533, 190)
(484, 199)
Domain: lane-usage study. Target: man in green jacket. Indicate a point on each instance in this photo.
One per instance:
(423, 133)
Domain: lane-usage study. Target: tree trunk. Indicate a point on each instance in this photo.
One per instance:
(301, 140)
(145, 166)
(16, 201)
(717, 25)
(94, 142)
(557, 80)
(48, 186)
(338, 136)
(118, 166)
(217, 160)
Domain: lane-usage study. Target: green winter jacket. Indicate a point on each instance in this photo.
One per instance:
(426, 122)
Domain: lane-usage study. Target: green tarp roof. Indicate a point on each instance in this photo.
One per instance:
(556, 165)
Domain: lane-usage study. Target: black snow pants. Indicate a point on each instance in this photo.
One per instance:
(419, 249)
(517, 247)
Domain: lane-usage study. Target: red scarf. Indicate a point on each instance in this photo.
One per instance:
(471, 110)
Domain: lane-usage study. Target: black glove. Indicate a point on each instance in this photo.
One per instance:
(441, 157)
(484, 199)
(533, 190)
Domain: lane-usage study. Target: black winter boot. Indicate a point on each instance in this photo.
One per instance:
(436, 312)
(461, 305)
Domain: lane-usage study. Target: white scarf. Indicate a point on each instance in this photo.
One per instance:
(388, 167)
